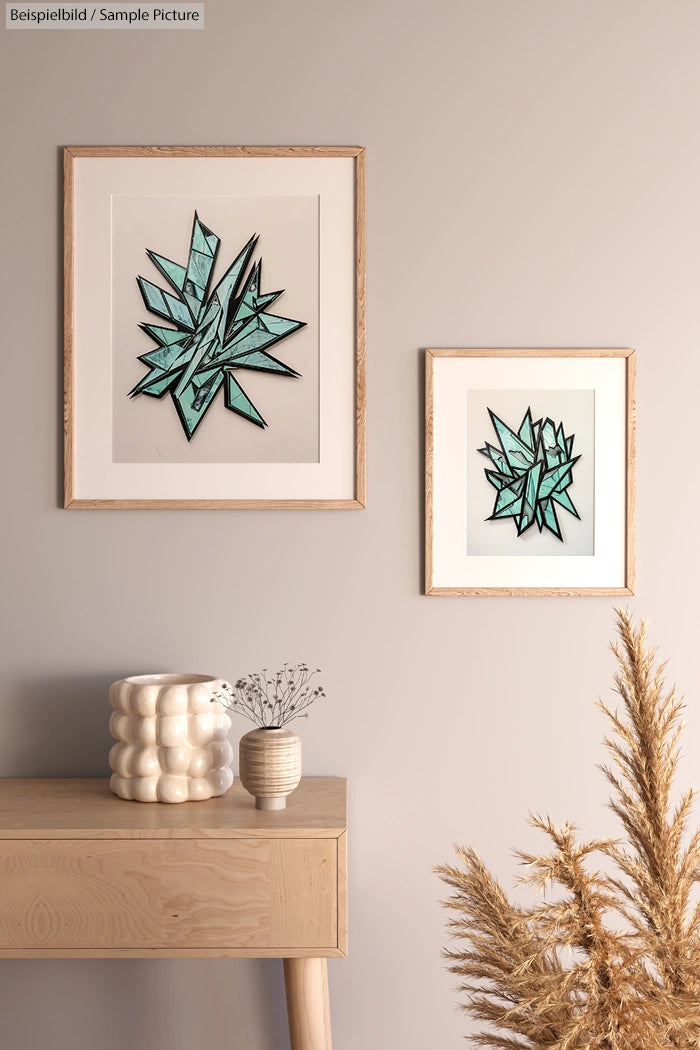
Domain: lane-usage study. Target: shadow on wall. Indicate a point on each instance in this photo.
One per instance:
(57, 728)
(164, 1004)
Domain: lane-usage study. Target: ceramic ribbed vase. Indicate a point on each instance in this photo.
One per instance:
(171, 739)
(269, 765)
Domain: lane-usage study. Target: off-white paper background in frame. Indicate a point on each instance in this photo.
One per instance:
(147, 429)
(453, 377)
(575, 410)
(97, 182)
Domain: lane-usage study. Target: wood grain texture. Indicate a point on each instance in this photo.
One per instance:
(84, 873)
(630, 474)
(358, 500)
(630, 566)
(169, 953)
(269, 762)
(68, 350)
(213, 151)
(525, 351)
(308, 1004)
(531, 592)
(213, 504)
(429, 454)
(361, 329)
(266, 893)
(342, 867)
(85, 808)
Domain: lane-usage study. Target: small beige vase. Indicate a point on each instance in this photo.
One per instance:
(269, 763)
(171, 739)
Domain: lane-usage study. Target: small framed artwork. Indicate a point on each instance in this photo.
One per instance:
(214, 327)
(530, 472)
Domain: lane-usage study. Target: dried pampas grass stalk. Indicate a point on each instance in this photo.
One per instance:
(612, 960)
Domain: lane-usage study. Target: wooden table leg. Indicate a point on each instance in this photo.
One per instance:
(308, 1005)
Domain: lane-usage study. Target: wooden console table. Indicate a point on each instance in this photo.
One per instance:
(85, 874)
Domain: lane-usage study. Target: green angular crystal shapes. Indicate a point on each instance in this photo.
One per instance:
(533, 470)
(215, 333)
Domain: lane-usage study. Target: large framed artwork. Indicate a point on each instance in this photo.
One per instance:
(530, 472)
(214, 327)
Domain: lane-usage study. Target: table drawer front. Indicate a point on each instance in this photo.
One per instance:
(169, 894)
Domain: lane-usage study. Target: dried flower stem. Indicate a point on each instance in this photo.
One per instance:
(272, 702)
(561, 975)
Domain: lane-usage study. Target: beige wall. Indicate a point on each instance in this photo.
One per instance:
(534, 180)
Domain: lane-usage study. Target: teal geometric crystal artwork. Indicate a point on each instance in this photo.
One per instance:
(533, 470)
(215, 335)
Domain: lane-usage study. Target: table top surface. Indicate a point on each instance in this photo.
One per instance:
(82, 808)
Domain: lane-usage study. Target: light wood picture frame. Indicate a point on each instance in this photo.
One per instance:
(530, 471)
(173, 257)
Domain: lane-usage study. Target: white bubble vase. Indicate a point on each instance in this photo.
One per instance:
(171, 739)
(269, 765)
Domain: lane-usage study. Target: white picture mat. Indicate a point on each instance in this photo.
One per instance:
(452, 377)
(95, 181)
